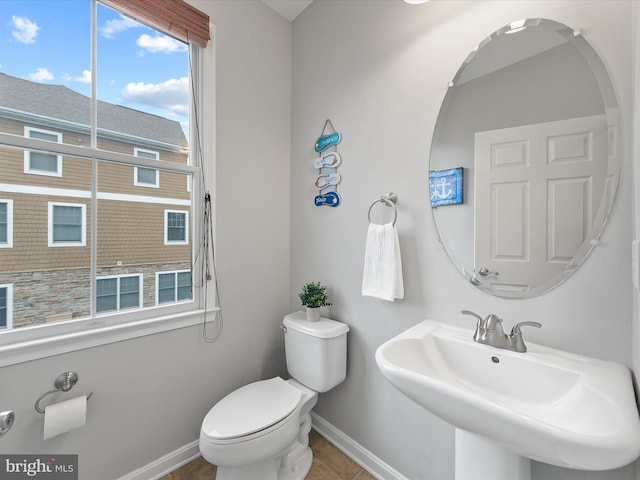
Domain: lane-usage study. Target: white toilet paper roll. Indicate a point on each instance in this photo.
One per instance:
(65, 416)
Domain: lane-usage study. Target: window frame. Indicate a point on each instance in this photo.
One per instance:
(9, 307)
(9, 242)
(175, 288)
(42, 341)
(167, 211)
(83, 229)
(118, 292)
(27, 153)
(136, 180)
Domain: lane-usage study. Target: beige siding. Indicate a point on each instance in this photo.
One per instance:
(120, 179)
(76, 173)
(53, 283)
(9, 126)
(31, 234)
(133, 233)
(128, 148)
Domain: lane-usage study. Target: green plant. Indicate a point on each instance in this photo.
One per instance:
(314, 295)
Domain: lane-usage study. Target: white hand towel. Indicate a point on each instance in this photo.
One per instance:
(382, 276)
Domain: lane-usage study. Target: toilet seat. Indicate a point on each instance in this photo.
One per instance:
(235, 418)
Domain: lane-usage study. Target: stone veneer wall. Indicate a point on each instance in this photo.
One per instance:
(57, 295)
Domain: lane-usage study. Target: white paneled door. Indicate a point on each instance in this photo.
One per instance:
(537, 188)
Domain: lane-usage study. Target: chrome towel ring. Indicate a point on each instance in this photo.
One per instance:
(390, 200)
(64, 382)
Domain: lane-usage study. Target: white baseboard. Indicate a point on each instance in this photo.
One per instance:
(363, 457)
(164, 465)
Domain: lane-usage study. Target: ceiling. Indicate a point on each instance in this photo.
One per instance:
(289, 9)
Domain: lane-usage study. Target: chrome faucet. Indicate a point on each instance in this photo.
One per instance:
(490, 332)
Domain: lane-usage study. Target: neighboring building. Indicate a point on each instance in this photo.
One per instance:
(143, 214)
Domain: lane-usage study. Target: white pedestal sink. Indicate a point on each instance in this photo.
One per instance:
(548, 405)
(478, 458)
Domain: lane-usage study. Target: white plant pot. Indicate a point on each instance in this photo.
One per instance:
(313, 314)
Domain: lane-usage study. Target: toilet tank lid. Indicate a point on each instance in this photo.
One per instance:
(323, 328)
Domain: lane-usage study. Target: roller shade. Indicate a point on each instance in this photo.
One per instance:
(173, 17)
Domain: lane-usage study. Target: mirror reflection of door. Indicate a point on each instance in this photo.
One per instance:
(519, 78)
(537, 193)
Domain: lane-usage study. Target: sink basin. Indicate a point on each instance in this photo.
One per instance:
(548, 405)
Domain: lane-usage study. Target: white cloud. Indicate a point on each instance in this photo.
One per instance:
(85, 78)
(160, 43)
(117, 25)
(172, 94)
(41, 75)
(24, 30)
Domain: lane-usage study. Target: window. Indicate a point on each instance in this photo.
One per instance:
(6, 223)
(67, 225)
(6, 305)
(175, 228)
(173, 287)
(118, 293)
(136, 119)
(146, 177)
(43, 163)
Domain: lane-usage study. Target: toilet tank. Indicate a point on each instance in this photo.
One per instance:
(316, 352)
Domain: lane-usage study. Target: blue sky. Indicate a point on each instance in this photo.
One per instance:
(48, 41)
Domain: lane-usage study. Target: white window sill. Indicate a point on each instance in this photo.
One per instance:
(95, 335)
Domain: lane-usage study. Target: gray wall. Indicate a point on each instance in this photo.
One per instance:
(379, 70)
(151, 393)
(636, 197)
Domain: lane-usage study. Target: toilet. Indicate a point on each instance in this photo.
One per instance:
(261, 430)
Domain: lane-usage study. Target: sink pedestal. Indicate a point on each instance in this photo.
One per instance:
(478, 458)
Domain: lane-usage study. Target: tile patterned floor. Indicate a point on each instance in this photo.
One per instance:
(329, 463)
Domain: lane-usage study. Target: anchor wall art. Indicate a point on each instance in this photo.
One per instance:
(445, 186)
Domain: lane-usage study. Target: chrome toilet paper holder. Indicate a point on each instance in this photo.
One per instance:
(64, 382)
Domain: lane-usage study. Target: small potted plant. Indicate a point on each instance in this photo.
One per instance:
(313, 296)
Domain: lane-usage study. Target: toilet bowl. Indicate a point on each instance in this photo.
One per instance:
(261, 430)
(265, 443)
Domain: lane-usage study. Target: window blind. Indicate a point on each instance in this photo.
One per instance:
(174, 17)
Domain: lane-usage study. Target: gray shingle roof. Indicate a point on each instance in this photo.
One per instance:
(58, 101)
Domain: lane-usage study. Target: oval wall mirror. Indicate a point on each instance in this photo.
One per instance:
(525, 158)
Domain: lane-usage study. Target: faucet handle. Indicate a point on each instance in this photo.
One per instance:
(515, 339)
(477, 333)
(516, 328)
(473, 314)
